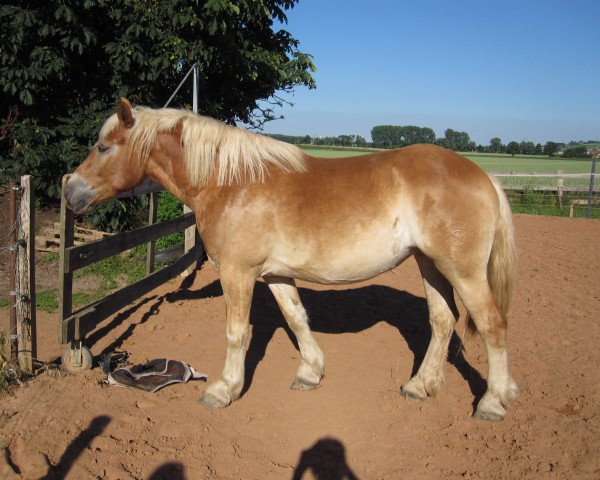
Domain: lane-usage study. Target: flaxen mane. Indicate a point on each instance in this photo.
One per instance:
(240, 154)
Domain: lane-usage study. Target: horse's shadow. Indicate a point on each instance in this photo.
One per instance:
(344, 311)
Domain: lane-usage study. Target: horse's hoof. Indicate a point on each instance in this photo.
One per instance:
(212, 402)
(303, 385)
(487, 416)
(411, 397)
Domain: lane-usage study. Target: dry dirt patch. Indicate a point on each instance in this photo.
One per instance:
(355, 425)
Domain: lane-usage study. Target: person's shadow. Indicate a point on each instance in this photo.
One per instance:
(77, 446)
(326, 460)
(343, 311)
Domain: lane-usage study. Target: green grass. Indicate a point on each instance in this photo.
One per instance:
(490, 162)
(334, 152)
(113, 271)
(46, 301)
(129, 268)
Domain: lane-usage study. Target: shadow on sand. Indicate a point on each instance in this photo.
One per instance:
(343, 311)
(326, 460)
(76, 447)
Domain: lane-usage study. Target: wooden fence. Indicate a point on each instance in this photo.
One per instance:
(74, 325)
(565, 190)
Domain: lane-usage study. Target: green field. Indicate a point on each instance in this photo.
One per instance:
(334, 152)
(490, 162)
(528, 198)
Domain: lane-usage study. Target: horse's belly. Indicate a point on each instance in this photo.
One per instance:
(343, 260)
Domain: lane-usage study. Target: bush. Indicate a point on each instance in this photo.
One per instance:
(120, 215)
(169, 207)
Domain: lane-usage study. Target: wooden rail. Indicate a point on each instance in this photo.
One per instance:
(73, 326)
(559, 187)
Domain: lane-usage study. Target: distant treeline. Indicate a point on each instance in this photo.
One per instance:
(339, 141)
(397, 136)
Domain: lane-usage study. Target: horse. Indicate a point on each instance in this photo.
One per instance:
(267, 209)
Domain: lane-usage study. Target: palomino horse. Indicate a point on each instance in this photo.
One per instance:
(266, 209)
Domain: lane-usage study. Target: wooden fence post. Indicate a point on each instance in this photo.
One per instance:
(588, 213)
(67, 239)
(190, 242)
(12, 270)
(26, 318)
(560, 182)
(151, 245)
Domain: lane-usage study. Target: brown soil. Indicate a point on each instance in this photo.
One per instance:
(355, 425)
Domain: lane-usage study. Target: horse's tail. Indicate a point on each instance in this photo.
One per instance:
(503, 259)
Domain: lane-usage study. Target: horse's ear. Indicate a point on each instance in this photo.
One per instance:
(124, 113)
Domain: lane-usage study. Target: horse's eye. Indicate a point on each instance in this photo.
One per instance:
(103, 148)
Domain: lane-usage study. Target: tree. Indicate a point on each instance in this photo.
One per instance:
(385, 136)
(576, 151)
(359, 141)
(395, 136)
(457, 141)
(550, 148)
(63, 63)
(527, 148)
(495, 145)
(513, 148)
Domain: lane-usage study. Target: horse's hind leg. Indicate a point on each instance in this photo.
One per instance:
(502, 390)
(443, 315)
(311, 366)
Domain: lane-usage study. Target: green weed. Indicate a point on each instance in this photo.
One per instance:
(46, 301)
(113, 269)
(169, 207)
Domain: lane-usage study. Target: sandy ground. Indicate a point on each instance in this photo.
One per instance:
(355, 425)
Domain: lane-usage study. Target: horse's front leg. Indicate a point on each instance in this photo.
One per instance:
(311, 367)
(237, 291)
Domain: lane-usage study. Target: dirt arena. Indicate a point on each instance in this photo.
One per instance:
(356, 425)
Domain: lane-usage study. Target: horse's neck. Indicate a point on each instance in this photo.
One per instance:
(166, 166)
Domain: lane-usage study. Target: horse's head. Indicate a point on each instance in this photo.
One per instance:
(110, 167)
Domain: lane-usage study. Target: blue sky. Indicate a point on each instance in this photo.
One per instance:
(518, 70)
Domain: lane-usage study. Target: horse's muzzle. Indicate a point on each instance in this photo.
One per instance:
(79, 194)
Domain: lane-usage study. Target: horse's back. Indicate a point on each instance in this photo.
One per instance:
(350, 219)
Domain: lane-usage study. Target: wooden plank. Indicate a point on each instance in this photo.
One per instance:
(190, 242)
(84, 321)
(80, 256)
(151, 245)
(545, 188)
(65, 276)
(26, 318)
(540, 175)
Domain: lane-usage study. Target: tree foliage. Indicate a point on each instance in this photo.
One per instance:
(550, 148)
(457, 141)
(392, 136)
(63, 63)
(576, 151)
(513, 148)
